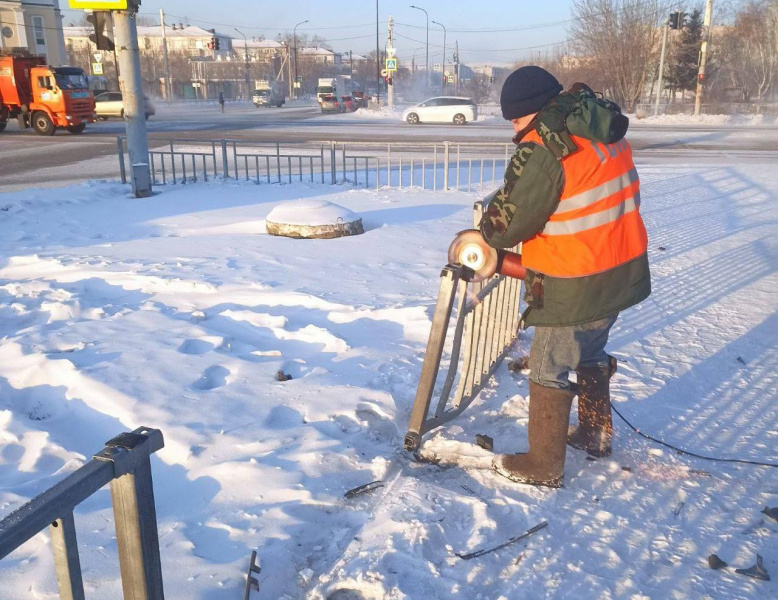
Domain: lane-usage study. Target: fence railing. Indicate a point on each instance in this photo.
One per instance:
(125, 464)
(434, 166)
(487, 323)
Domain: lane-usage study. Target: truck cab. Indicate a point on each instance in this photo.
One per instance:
(44, 97)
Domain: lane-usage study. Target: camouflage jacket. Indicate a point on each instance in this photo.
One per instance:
(534, 181)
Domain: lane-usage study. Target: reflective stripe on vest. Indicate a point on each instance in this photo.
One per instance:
(597, 225)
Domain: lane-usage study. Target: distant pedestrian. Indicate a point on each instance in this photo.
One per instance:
(221, 100)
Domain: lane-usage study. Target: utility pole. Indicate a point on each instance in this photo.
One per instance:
(377, 59)
(426, 64)
(289, 69)
(248, 64)
(456, 68)
(661, 70)
(390, 54)
(131, 87)
(443, 66)
(703, 55)
(168, 83)
(294, 35)
(351, 69)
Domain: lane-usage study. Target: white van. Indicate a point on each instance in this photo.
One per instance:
(442, 109)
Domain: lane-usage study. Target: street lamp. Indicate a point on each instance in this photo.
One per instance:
(294, 35)
(443, 79)
(427, 64)
(246, 57)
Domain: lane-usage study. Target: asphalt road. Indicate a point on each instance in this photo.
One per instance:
(30, 160)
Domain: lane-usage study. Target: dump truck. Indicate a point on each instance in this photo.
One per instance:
(43, 97)
(268, 93)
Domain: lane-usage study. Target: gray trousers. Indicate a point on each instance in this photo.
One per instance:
(556, 351)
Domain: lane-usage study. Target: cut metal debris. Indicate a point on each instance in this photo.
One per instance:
(485, 442)
(678, 508)
(715, 563)
(771, 512)
(363, 489)
(251, 581)
(513, 540)
(757, 571)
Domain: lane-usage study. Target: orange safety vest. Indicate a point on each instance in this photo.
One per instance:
(597, 225)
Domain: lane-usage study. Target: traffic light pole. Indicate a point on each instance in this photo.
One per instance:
(131, 87)
(168, 81)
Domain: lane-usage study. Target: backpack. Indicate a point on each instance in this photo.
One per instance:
(582, 113)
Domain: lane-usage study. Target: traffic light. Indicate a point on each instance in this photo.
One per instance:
(216, 43)
(102, 21)
(212, 44)
(676, 20)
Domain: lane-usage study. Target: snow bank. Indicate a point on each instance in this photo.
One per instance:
(384, 112)
(691, 120)
(178, 312)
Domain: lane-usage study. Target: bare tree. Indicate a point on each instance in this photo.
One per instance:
(619, 40)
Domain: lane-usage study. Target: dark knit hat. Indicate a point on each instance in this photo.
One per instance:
(526, 91)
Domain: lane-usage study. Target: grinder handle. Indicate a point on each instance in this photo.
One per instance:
(509, 265)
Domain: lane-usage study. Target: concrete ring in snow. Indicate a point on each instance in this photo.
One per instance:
(313, 219)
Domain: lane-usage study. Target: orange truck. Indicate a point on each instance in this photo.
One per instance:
(43, 97)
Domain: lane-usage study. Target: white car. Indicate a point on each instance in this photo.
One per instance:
(443, 109)
(109, 104)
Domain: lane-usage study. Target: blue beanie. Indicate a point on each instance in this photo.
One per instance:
(526, 91)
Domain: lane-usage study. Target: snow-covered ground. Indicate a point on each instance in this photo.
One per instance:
(178, 311)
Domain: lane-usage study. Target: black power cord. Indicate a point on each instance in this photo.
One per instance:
(687, 452)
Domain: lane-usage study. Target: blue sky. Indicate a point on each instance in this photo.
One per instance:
(350, 24)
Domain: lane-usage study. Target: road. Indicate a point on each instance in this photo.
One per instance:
(29, 160)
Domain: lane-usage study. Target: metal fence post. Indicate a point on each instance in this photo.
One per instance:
(333, 166)
(122, 168)
(225, 160)
(132, 494)
(66, 561)
(446, 152)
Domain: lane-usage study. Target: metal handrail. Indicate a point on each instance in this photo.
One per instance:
(125, 464)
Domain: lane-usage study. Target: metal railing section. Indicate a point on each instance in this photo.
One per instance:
(487, 323)
(441, 166)
(125, 464)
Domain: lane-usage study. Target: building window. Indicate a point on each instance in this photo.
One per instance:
(40, 34)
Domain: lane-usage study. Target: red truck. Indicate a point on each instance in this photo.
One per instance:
(44, 97)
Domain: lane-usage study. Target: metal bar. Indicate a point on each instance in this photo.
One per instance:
(278, 161)
(377, 173)
(153, 172)
(66, 561)
(429, 370)
(467, 359)
(300, 166)
(225, 161)
(235, 158)
(482, 339)
(183, 168)
(194, 168)
(205, 169)
(122, 168)
(267, 167)
(289, 167)
(137, 538)
(173, 163)
(322, 162)
(367, 172)
(246, 165)
(164, 173)
(455, 349)
(27, 520)
(333, 173)
(459, 147)
(446, 154)
(344, 161)
(311, 167)
(213, 158)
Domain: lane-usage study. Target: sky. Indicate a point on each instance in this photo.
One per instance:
(488, 32)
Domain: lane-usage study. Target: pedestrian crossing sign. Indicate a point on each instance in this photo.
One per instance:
(99, 4)
(391, 64)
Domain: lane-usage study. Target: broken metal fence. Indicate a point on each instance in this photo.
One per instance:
(432, 166)
(125, 464)
(485, 327)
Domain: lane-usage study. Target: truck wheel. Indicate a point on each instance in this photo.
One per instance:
(77, 129)
(42, 124)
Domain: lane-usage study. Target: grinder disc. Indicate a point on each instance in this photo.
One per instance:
(471, 250)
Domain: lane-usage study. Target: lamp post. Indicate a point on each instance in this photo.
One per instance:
(246, 57)
(427, 64)
(377, 59)
(443, 78)
(294, 35)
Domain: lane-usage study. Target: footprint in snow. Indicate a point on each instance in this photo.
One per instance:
(195, 347)
(212, 378)
(379, 426)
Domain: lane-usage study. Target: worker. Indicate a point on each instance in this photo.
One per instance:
(572, 198)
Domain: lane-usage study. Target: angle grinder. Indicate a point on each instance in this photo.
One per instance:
(469, 249)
